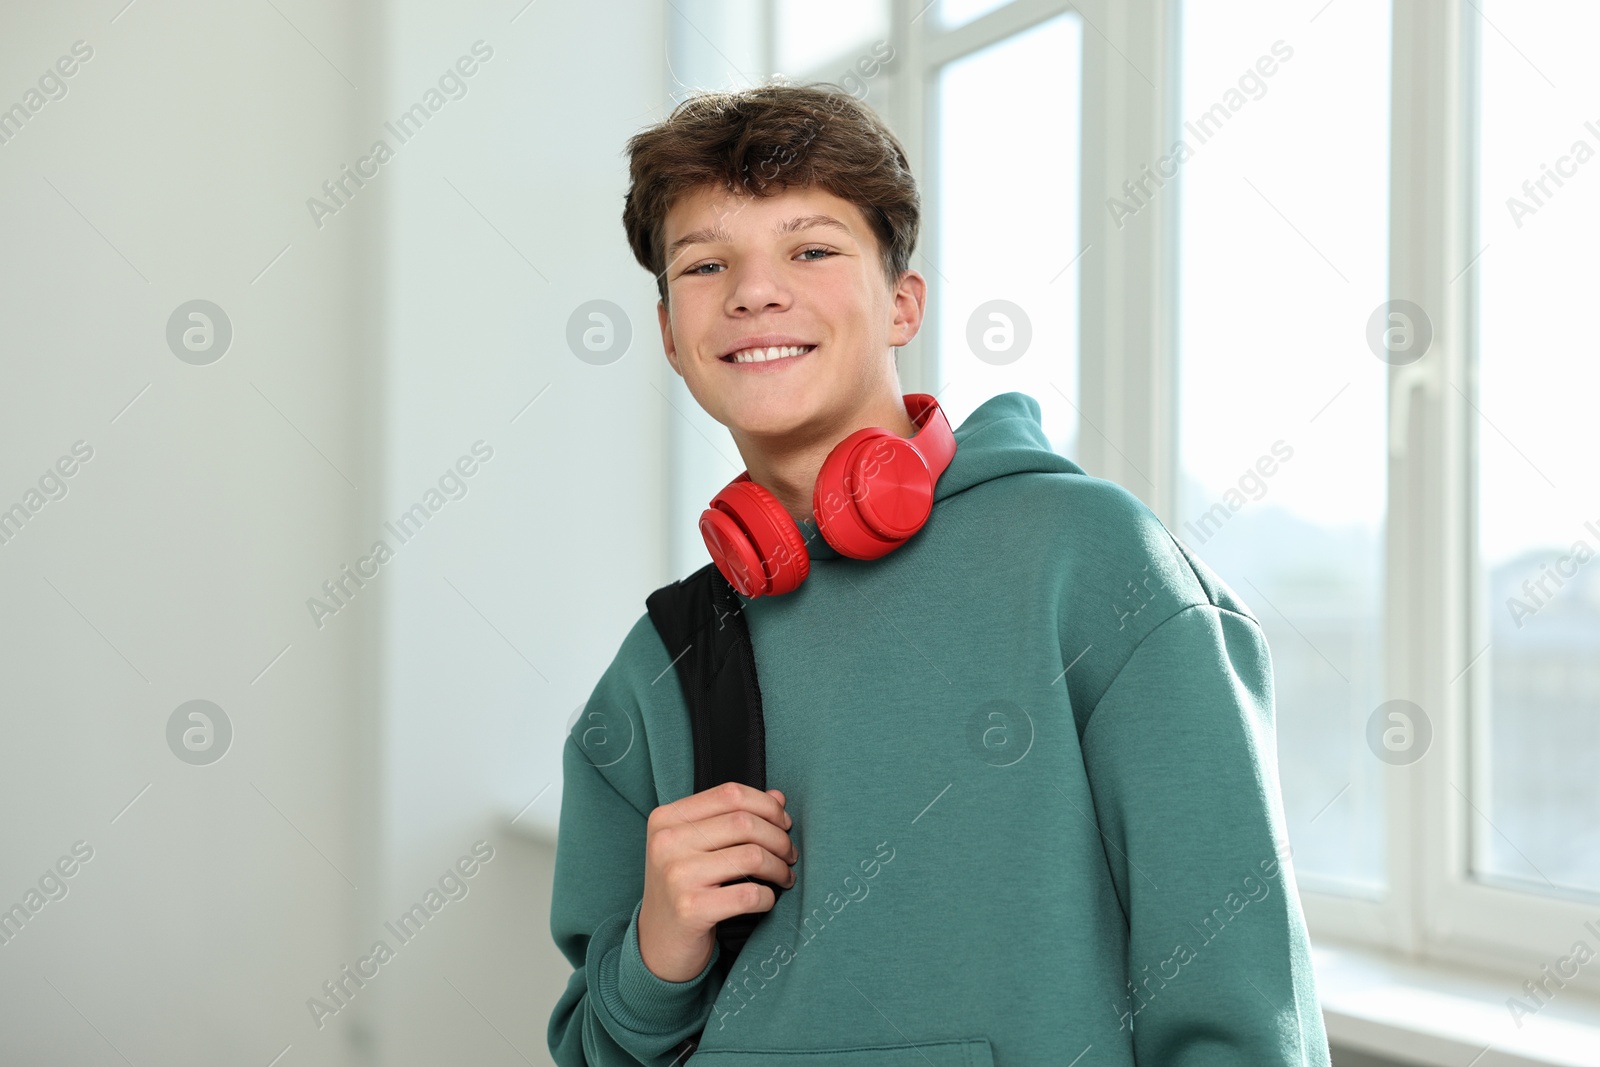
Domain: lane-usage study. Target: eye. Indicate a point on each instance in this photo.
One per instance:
(824, 251)
(696, 268)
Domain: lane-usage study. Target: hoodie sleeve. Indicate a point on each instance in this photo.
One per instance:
(1182, 762)
(615, 1011)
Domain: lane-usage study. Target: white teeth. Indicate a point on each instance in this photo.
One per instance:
(761, 355)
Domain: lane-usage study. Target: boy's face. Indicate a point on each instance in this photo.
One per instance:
(746, 274)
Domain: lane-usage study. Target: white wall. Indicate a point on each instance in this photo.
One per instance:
(367, 355)
(178, 564)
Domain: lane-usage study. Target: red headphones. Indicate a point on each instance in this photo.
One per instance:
(874, 491)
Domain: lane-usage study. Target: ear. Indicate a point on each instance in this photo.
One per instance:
(910, 302)
(665, 319)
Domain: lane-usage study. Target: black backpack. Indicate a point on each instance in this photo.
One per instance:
(702, 625)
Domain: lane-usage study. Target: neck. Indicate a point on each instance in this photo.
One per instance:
(787, 467)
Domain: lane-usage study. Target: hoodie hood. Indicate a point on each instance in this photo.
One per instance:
(1003, 435)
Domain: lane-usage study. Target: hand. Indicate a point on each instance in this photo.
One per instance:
(692, 847)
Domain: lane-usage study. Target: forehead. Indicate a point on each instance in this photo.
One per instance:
(710, 214)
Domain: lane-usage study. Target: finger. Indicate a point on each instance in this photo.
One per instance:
(724, 902)
(727, 831)
(729, 796)
(737, 863)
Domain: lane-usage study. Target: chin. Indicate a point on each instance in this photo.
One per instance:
(768, 413)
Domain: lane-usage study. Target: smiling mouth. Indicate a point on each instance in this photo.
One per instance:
(767, 355)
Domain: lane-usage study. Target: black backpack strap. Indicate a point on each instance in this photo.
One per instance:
(702, 625)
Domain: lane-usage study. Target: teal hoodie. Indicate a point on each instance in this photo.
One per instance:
(1030, 760)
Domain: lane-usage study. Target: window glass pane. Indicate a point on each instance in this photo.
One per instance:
(956, 12)
(1005, 293)
(1283, 223)
(1538, 494)
(813, 35)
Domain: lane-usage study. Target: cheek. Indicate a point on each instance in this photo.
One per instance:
(692, 324)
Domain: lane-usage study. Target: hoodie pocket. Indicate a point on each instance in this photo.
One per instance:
(965, 1052)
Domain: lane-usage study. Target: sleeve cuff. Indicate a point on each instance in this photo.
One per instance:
(642, 1000)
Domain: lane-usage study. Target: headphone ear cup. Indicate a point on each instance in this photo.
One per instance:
(754, 541)
(732, 551)
(897, 488)
(873, 492)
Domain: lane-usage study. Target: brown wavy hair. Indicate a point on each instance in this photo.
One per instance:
(762, 140)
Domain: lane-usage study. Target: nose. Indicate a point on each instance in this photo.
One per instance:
(757, 288)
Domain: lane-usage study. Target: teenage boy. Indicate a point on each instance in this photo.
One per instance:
(1025, 805)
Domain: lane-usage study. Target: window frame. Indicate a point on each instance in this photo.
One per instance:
(1456, 918)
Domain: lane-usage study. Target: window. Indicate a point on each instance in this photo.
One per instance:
(1282, 259)
(956, 12)
(1537, 509)
(812, 36)
(1004, 296)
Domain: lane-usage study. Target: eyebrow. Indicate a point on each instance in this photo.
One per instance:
(714, 234)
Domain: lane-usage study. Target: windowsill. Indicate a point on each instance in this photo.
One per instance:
(1386, 1005)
